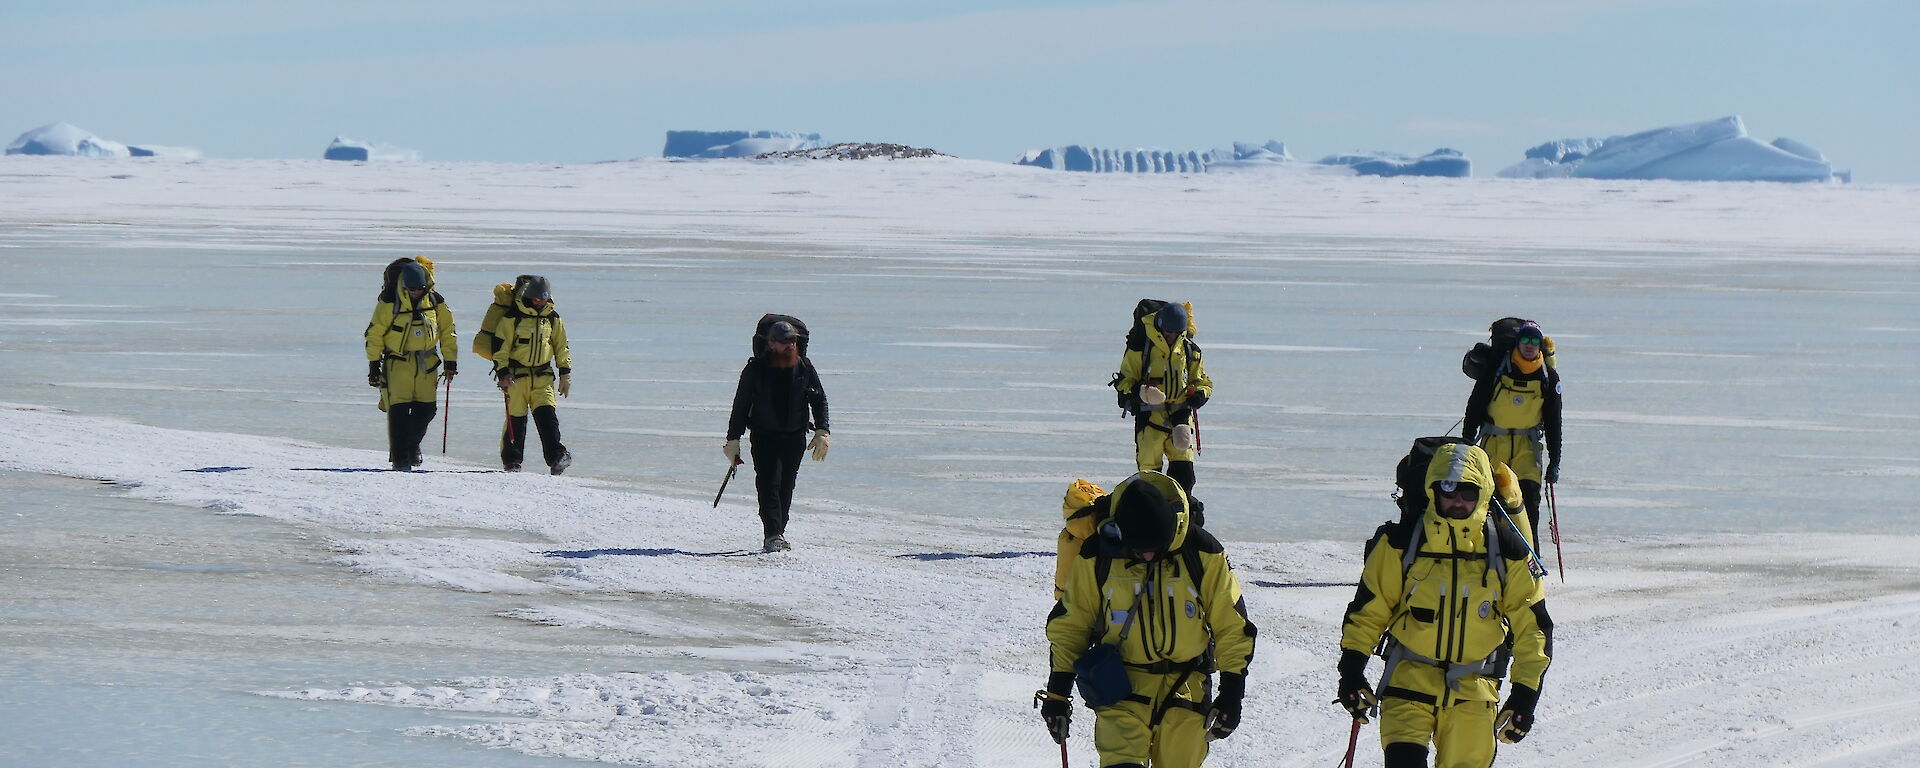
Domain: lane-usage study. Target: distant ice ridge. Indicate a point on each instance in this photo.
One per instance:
(736, 143)
(1714, 150)
(344, 148)
(1440, 162)
(68, 139)
(1076, 157)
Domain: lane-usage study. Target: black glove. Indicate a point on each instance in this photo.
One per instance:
(1056, 705)
(1355, 694)
(1225, 714)
(1516, 718)
(1553, 473)
(1197, 399)
(1180, 414)
(450, 368)
(375, 376)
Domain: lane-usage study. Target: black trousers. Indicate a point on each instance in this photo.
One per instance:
(776, 465)
(407, 425)
(513, 442)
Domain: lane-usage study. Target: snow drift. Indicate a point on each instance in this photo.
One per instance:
(1714, 150)
(736, 143)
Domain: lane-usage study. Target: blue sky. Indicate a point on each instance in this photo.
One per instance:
(585, 80)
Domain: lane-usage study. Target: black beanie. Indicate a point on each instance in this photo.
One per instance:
(1144, 516)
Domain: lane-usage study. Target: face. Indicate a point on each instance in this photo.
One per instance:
(1529, 348)
(1457, 505)
(1170, 336)
(416, 293)
(536, 303)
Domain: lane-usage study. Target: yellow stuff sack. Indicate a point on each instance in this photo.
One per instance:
(1079, 511)
(484, 342)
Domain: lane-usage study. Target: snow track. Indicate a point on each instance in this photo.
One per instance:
(886, 639)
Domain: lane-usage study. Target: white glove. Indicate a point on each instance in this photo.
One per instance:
(732, 450)
(819, 445)
(505, 382)
(1151, 395)
(565, 383)
(1182, 437)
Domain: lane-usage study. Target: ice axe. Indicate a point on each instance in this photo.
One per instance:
(732, 469)
(1353, 741)
(1553, 527)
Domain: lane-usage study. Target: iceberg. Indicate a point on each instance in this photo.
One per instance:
(1079, 157)
(1713, 150)
(343, 148)
(65, 139)
(736, 143)
(1440, 162)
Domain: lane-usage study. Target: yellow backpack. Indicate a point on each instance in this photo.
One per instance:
(1079, 512)
(485, 343)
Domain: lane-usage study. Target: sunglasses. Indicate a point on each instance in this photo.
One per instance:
(1461, 491)
(1530, 340)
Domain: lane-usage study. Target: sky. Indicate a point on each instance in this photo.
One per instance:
(591, 80)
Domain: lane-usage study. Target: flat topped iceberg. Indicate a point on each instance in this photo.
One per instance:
(1713, 150)
(715, 144)
(342, 148)
(65, 139)
(1440, 162)
(1079, 157)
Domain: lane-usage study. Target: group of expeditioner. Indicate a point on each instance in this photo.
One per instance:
(411, 348)
(1147, 608)
(1450, 597)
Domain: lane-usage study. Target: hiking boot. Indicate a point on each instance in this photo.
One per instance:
(401, 466)
(418, 459)
(776, 544)
(560, 465)
(513, 467)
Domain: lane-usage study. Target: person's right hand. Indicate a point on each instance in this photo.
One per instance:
(1057, 713)
(1151, 395)
(732, 450)
(1355, 695)
(505, 381)
(375, 376)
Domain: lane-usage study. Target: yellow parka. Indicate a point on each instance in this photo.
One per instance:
(530, 340)
(399, 328)
(1450, 606)
(1176, 620)
(1176, 369)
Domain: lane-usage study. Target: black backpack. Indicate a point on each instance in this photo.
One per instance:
(766, 323)
(1137, 333)
(1483, 361)
(1410, 476)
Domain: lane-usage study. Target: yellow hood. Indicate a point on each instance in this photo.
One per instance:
(1459, 463)
(1168, 488)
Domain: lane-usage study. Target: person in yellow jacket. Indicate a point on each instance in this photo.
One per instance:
(1162, 381)
(1161, 592)
(1440, 596)
(531, 364)
(1514, 413)
(410, 346)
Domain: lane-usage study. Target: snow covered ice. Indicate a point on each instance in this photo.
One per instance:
(1713, 150)
(1738, 500)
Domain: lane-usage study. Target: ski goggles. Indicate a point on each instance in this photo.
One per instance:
(1534, 340)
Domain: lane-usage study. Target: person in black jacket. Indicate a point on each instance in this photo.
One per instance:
(1514, 414)
(777, 389)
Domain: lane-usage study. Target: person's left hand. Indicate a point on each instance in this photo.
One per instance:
(1553, 473)
(1515, 720)
(1181, 438)
(565, 383)
(449, 369)
(1224, 716)
(819, 445)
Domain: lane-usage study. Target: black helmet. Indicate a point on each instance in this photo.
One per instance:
(535, 287)
(782, 332)
(1144, 516)
(1172, 318)
(413, 277)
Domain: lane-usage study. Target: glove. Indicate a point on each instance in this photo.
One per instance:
(819, 445)
(1553, 473)
(450, 368)
(1516, 718)
(1197, 399)
(732, 450)
(375, 376)
(1356, 695)
(1151, 395)
(566, 383)
(1181, 439)
(504, 379)
(1225, 714)
(1056, 705)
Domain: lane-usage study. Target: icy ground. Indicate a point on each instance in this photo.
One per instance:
(1740, 496)
(898, 643)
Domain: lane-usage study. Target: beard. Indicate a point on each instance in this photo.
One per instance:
(784, 358)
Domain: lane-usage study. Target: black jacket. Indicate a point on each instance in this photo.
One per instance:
(1484, 390)
(773, 399)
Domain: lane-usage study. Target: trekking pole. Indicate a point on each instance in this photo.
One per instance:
(731, 470)
(1353, 741)
(506, 406)
(1553, 527)
(446, 415)
(1063, 753)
